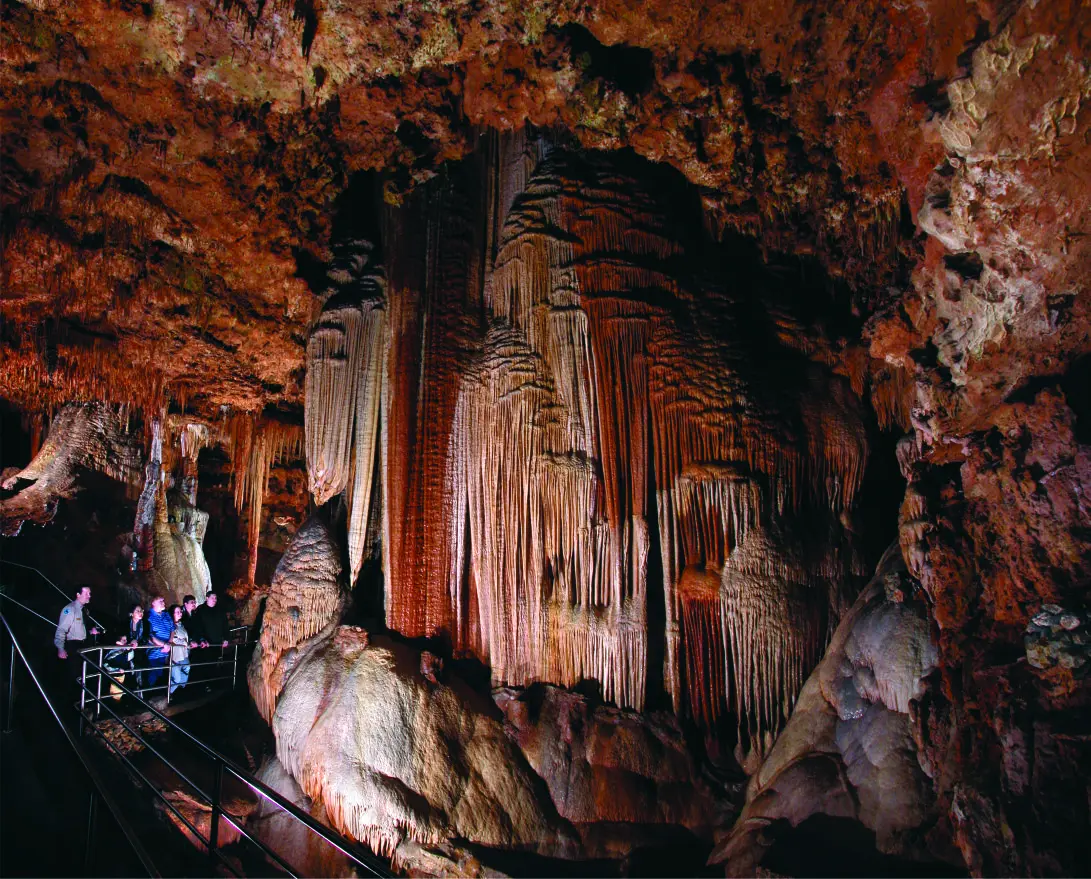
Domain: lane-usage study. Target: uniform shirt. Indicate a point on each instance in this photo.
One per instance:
(70, 627)
(159, 625)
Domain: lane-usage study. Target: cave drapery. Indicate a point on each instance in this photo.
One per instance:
(578, 336)
(533, 404)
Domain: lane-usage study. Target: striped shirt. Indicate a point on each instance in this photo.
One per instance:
(159, 625)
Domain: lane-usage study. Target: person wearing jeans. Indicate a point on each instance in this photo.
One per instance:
(179, 650)
(160, 626)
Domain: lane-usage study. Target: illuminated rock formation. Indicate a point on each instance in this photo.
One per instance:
(613, 408)
(626, 781)
(607, 376)
(344, 389)
(305, 604)
(92, 436)
(848, 750)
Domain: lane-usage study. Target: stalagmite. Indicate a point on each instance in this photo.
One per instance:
(304, 605)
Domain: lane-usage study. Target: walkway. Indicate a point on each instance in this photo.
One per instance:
(58, 779)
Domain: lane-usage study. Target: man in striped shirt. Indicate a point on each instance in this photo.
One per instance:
(159, 629)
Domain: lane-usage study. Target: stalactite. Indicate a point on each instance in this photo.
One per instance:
(192, 439)
(365, 441)
(892, 391)
(340, 347)
(435, 266)
(752, 631)
(87, 371)
(604, 375)
(256, 446)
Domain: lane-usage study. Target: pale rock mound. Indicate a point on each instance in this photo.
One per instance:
(848, 750)
(304, 606)
(393, 756)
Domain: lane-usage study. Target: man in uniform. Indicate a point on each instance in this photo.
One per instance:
(71, 634)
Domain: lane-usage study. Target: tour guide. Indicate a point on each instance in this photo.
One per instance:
(71, 634)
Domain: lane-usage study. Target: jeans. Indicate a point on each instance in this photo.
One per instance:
(157, 668)
(179, 676)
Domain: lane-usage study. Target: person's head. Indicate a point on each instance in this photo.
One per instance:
(211, 599)
(158, 603)
(137, 613)
(83, 596)
(176, 612)
(189, 603)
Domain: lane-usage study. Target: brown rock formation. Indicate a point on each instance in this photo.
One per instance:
(579, 439)
(92, 436)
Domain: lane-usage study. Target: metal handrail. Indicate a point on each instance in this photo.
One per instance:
(224, 763)
(221, 762)
(67, 597)
(92, 773)
(44, 619)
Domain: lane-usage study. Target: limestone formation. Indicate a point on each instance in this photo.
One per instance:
(392, 756)
(848, 750)
(92, 436)
(304, 605)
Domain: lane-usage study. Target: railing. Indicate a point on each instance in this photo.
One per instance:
(142, 671)
(99, 790)
(67, 598)
(95, 670)
(221, 765)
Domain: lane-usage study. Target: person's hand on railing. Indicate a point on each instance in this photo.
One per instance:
(193, 644)
(223, 645)
(204, 643)
(95, 630)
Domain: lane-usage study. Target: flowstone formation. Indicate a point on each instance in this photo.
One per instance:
(848, 751)
(615, 419)
(552, 421)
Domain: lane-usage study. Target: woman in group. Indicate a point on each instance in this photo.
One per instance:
(179, 650)
(130, 659)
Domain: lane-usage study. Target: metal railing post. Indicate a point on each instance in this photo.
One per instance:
(98, 688)
(89, 847)
(235, 669)
(217, 796)
(10, 715)
(83, 691)
(170, 668)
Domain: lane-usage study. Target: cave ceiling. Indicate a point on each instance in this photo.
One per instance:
(170, 170)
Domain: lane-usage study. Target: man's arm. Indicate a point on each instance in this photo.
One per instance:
(63, 627)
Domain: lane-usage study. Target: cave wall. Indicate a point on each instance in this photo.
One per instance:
(172, 173)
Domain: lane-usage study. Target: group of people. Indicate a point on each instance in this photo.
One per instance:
(162, 639)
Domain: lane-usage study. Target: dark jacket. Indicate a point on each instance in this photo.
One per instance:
(192, 623)
(212, 623)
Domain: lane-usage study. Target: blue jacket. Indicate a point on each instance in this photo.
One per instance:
(160, 625)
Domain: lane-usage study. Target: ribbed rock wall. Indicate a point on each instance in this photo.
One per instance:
(592, 464)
